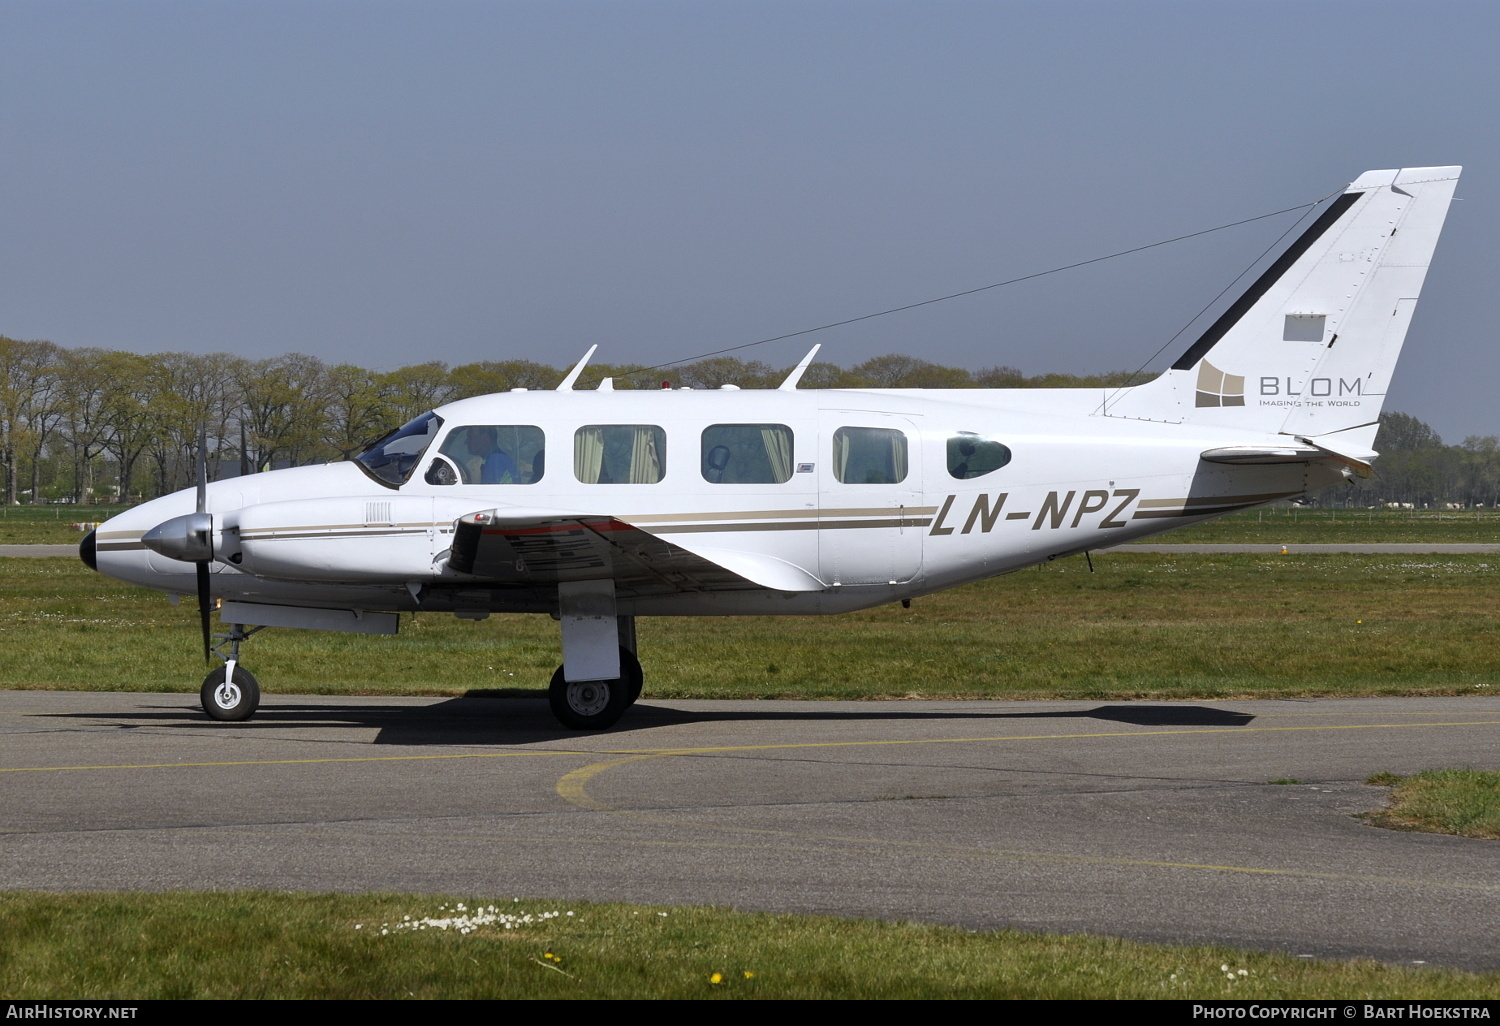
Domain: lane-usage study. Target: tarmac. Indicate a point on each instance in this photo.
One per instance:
(1155, 821)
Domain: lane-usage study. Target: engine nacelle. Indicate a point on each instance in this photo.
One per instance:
(361, 538)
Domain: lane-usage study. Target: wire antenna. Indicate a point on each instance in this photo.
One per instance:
(1305, 207)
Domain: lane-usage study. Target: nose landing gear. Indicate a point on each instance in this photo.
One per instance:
(231, 693)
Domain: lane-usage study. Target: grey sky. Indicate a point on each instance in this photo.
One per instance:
(386, 183)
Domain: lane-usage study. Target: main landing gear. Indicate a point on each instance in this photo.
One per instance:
(231, 693)
(596, 704)
(600, 676)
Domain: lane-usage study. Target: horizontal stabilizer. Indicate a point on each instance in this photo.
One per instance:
(1345, 445)
(1259, 455)
(1303, 450)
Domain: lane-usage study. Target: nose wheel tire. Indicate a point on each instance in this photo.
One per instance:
(232, 700)
(595, 704)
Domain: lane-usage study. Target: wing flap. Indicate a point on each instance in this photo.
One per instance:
(543, 547)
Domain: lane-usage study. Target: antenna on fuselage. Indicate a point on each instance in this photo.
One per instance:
(568, 382)
(790, 384)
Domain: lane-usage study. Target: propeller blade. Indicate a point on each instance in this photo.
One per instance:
(205, 610)
(202, 476)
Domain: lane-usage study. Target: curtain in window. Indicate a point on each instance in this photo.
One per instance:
(841, 454)
(778, 441)
(898, 457)
(645, 460)
(588, 454)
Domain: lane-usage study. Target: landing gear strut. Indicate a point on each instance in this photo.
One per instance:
(231, 693)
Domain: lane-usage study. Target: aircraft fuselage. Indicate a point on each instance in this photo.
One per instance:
(335, 536)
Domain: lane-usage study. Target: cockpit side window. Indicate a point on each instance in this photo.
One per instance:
(490, 454)
(971, 455)
(392, 459)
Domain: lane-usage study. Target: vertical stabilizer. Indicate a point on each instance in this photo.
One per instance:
(1309, 348)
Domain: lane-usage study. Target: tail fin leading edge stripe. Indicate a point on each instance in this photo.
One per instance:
(1272, 274)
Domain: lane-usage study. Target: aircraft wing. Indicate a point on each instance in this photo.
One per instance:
(530, 548)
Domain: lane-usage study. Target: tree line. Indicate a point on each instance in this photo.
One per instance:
(106, 425)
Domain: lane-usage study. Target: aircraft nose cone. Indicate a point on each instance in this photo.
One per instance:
(87, 552)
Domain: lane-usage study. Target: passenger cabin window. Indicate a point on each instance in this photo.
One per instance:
(864, 455)
(490, 454)
(747, 453)
(619, 454)
(971, 455)
(392, 459)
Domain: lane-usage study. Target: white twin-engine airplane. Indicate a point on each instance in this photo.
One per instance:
(601, 506)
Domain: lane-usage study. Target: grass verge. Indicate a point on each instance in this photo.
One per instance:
(1143, 626)
(49, 525)
(265, 945)
(1296, 525)
(1448, 801)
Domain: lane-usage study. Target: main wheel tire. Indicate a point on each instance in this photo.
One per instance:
(630, 671)
(595, 704)
(236, 700)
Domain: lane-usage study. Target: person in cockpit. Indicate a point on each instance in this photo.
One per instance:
(488, 463)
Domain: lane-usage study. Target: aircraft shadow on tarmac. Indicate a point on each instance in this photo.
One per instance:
(521, 719)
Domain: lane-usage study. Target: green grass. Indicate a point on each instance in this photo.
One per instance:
(49, 525)
(1143, 626)
(263, 945)
(1281, 525)
(1448, 801)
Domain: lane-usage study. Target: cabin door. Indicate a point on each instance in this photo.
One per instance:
(869, 488)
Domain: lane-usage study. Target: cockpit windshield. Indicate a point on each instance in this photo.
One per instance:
(392, 459)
